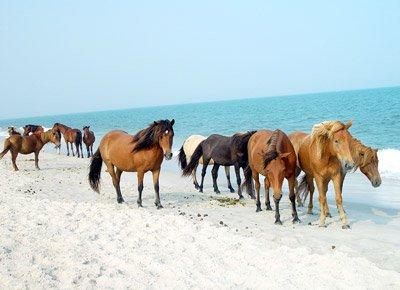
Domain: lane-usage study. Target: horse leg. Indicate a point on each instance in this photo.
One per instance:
(322, 185)
(88, 152)
(140, 177)
(14, 154)
(196, 185)
(80, 145)
(37, 160)
(214, 173)
(256, 178)
(203, 173)
(297, 193)
(66, 142)
(156, 176)
(338, 185)
(228, 177)
(311, 188)
(72, 149)
(292, 197)
(277, 199)
(116, 176)
(238, 180)
(267, 201)
(91, 150)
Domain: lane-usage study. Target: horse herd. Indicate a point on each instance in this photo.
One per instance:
(327, 154)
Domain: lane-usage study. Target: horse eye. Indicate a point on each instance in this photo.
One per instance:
(336, 141)
(362, 154)
(166, 132)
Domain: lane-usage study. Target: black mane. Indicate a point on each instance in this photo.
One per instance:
(149, 136)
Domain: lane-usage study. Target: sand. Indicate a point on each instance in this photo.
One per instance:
(55, 232)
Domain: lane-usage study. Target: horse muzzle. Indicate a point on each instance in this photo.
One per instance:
(376, 182)
(168, 156)
(347, 167)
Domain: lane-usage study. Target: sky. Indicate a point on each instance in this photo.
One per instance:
(76, 56)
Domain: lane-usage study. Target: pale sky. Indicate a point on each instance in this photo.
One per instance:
(75, 56)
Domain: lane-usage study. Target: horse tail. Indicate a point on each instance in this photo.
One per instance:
(182, 158)
(194, 161)
(248, 180)
(7, 147)
(95, 170)
(78, 139)
(303, 187)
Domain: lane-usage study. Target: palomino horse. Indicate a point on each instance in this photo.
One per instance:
(272, 155)
(29, 144)
(186, 152)
(366, 158)
(88, 139)
(32, 129)
(225, 151)
(73, 136)
(11, 131)
(326, 155)
(140, 153)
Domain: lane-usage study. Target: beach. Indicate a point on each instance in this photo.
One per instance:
(57, 232)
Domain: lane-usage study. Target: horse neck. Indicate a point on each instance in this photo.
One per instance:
(63, 128)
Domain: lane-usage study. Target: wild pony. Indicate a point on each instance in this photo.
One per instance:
(186, 152)
(11, 131)
(32, 129)
(29, 144)
(223, 150)
(366, 158)
(73, 136)
(326, 155)
(140, 153)
(88, 139)
(272, 155)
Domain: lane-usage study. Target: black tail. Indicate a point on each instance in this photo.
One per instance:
(194, 161)
(78, 139)
(182, 158)
(248, 181)
(303, 187)
(95, 171)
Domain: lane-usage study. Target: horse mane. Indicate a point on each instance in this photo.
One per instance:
(149, 136)
(324, 131)
(240, 140)
(272, 152)
(370, 155)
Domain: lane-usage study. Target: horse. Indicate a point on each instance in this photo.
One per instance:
(29, 144)
(326, 155)
(73, 136)
(88, 139)
(11, 131)
(272, 155)
(186, 152)
(32, 129)
(223, 150)
(140, 153)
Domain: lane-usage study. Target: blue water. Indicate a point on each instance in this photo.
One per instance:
(375, 112)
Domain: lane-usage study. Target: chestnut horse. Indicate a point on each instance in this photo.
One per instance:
(272, 155)
(88, 139)
(186, 152)
(140, 153)
(73, 136)
(226, 151)
(29, 144)
(11, 131)
(366, 158)
(326, 155)
(32, 129)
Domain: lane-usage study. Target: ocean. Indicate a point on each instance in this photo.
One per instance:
(375, 114)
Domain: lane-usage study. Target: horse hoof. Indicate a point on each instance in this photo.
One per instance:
(241, 197)
(278, 222)
(310, 212)
(217, 191)
(268, 207)
(345, 227)
(201, 190)
(328, 215)
(296, 220)
(231, 190)
(139, 203)
(120, 200)
(300, 204)
(252, 196)
(258, 209)
(322, 225)
(159, 206)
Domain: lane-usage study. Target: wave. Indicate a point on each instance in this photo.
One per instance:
(389, 163)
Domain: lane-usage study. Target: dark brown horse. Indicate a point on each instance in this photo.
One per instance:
(88, 139)
(29, 144)
(223, 150)
(32, 129)
(71, 136)
(11, 131)
(272, 155)
(140, 153)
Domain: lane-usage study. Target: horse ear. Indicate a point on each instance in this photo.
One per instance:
(285, 155)
(348, 124)
(172, 122)
(155, 123)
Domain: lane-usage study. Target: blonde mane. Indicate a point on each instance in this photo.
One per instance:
(321, 133)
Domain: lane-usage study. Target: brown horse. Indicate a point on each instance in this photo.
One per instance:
(11, 131)
(88, 139)
(32, 129)
(140, 153)
(272, 155)
(29, 144)
(365, 158)
(326, 155)
(73, 136)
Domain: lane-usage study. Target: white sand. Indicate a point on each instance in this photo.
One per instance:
(56, 232)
